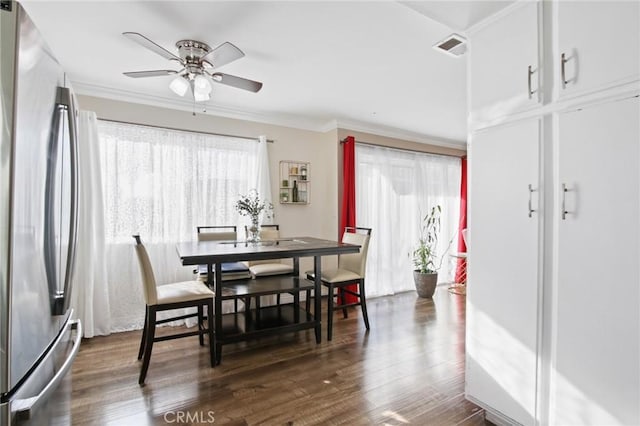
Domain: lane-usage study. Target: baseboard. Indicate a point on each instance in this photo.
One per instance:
(492, 415)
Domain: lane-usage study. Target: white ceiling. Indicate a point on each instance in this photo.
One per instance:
(366, 66)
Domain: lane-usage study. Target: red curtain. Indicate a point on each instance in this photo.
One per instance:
(461, 267)
(348, 214)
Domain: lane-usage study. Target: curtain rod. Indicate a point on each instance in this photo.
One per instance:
(403, 149)
(184, 130)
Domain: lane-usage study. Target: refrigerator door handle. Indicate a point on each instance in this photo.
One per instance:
(73, 226)
(65, 99)
(24, 408)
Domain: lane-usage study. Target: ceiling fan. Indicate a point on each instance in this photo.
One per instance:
(198, 62)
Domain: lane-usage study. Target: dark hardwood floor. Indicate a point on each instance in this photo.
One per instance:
(409, 369)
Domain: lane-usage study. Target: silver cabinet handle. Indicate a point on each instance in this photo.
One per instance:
(564, 208)
(531, 191)
(563, 61)
(529, 73)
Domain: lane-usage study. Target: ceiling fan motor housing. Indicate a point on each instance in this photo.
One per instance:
(191, 52)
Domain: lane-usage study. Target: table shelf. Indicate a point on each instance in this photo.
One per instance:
(267, 321)
(264, 286)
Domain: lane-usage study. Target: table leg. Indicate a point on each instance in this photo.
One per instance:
(296, 294)
(218, 308)
(317, 306)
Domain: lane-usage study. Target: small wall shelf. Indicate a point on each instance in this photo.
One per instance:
(294, 182)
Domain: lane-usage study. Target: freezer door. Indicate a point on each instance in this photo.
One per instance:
(38, 216)
(45, 397)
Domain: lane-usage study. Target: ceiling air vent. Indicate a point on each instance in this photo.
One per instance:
(454, 45)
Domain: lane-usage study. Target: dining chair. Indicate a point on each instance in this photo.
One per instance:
(230, 270)
(271, 267)
(350, 271)
(187, 294)
(265, 268)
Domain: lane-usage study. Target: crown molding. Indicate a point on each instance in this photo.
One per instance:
(291, 121)
(296, 122)
(393, 132)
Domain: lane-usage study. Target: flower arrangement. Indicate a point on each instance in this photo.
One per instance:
(251, 205)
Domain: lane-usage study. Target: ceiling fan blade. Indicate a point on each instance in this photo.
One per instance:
(223, 54)
(154, 73)
(239, 82)
(145, 42)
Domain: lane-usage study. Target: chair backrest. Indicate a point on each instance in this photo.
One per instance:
(217, 233)
(267, 232)
(148, 279)
(355, 262)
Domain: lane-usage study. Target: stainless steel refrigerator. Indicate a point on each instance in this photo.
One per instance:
(38, 216)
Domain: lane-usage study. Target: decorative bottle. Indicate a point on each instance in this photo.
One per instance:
(294, 192)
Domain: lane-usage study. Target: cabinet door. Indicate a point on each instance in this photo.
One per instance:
(595, 343)
(601, 43)
(501, 55)
(502, 293)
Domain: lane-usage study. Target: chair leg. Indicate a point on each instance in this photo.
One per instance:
(363, 303)
(201, 324)
(343, 301)
(307, 302)
(330, 313)
(212, 336)
(150, 336)
(144, 333)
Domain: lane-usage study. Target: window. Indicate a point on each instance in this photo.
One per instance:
(161, 184)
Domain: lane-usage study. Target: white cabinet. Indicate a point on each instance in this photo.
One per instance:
(596, 364)
(502, 320)
(553, 300)
(503, 64)
(598, 44)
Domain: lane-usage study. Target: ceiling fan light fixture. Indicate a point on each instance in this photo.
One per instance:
(201, 87)
(201, 84)
(199, 96)
(179, 86)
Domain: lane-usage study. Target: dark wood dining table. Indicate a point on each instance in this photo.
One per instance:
(262, 321)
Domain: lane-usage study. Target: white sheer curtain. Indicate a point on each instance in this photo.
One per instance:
(263, 181)
(90, 296)
(394, 191)
(161, 184)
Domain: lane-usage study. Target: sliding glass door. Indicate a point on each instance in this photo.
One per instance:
(394, 190)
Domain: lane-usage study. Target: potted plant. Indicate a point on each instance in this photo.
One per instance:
(425, 275)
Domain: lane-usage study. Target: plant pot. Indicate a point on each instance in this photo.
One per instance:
(425, 283)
